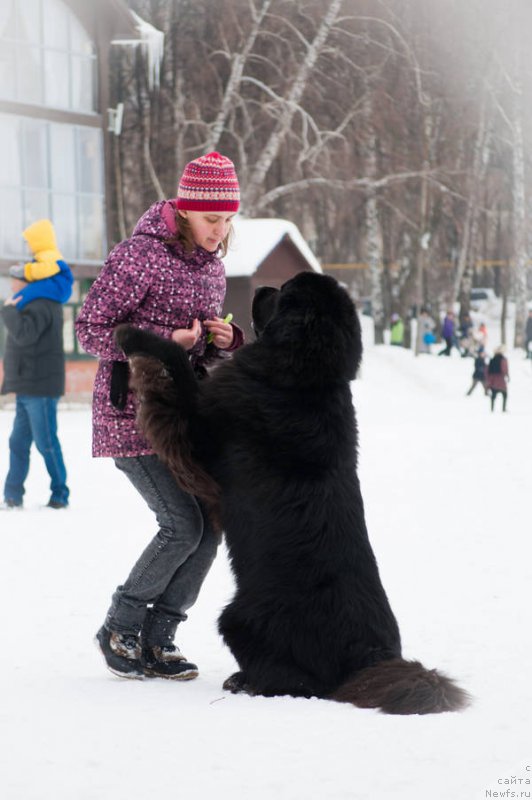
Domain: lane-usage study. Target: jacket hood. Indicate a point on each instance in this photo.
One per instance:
(158, 221)
(41, 236)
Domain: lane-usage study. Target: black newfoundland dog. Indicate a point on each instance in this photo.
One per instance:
(269, 442)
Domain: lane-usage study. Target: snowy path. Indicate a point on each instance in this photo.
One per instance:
(447, 487)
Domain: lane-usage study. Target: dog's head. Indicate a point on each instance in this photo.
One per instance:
(312, 323)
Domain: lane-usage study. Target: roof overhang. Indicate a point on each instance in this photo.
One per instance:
(110, 18)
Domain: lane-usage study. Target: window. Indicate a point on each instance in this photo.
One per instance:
(46, 56)
(52, 170)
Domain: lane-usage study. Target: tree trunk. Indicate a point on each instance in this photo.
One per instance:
(374, 243)
(424, 243)
(120, 212)
(466, 258)
(519, 219)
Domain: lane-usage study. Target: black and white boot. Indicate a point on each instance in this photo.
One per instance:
(167, 661)
(122, 653)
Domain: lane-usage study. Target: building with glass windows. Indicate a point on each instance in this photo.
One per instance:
(54, 142)
(53, 122)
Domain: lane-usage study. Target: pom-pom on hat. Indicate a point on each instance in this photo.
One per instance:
(209, 183)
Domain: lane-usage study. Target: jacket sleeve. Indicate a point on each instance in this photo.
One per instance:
(27, 326)
(37, 270)
(118, 291)
(238, 338)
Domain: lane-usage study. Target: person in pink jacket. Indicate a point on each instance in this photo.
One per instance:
(166, 278)
(497, 377)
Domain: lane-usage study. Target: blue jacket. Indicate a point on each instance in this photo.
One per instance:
(58, 287)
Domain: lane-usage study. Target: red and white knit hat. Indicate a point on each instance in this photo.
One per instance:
(209, 183)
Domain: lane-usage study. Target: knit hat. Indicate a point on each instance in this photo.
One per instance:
(209, 183)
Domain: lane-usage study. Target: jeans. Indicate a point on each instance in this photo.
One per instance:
(166, 579)
(35, 421)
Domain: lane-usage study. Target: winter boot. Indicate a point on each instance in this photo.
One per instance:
(167, 661)
(121, 652)
(9, 504)
(57, 504)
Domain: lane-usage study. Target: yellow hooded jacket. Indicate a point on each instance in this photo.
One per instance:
(40, 237)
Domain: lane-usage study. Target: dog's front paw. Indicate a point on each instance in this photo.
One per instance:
(236, 683)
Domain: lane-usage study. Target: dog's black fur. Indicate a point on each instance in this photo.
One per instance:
(275, 429)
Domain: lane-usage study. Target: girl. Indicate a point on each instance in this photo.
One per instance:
(498, 377)
(166, 278)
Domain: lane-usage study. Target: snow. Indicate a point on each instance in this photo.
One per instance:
(447, 493)
(253, 241)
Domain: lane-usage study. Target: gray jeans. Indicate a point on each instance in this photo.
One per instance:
(166, 579)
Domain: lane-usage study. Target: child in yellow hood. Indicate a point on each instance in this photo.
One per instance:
(40, 237)
(48, 275)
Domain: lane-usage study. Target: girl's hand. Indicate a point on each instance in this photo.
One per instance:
(187, 337)
(222, 332)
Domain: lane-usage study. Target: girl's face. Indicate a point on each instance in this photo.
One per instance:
(209, 228)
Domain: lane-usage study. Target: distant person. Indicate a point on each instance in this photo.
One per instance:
(397, 329)
(425, 332)
(448, 333)
(528, 335)
(481, 335)
(466, 336)
(479, 371)
(498, 377)
(34, 364)
(47, 275)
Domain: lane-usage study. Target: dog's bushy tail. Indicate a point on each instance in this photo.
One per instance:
(402, 687)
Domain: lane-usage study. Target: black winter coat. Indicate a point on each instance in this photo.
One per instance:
(479, 372)
(34, 360)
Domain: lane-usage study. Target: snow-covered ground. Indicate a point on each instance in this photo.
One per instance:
(447, 487)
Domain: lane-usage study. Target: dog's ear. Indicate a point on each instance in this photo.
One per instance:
(263, 308)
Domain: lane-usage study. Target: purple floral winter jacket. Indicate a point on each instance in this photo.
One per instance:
(156, 287)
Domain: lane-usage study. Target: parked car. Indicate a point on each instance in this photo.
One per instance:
(482, 298)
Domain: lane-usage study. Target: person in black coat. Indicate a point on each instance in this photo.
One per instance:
(528, 335)
(34, 369)
(479, 371)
